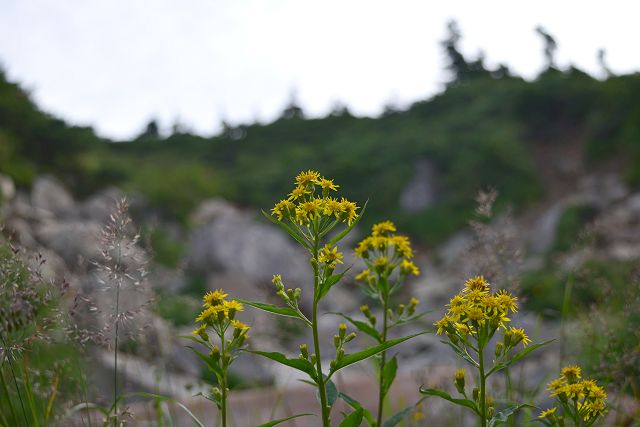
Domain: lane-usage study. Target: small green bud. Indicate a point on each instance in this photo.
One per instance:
(350, 337)
(217, 394)
(490, 411)
(340, 354)
(336, 341)
(312, 358)
(304, 352)
(290, 294)
(507, 339)
(365, 310)
(281, 293)
(342, 330)
(226, 358)
(459, 380)
(215, 353)
(499, 349)
(475, 393)
(332, 365)
(400, 309)
(296, 294)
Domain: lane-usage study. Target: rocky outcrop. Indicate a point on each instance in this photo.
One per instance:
(421, 191)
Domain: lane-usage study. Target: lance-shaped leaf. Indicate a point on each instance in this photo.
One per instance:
(356, 405)
(210, 364)
(299, 364)
(517, 357)
(502, 416)
(461, 353)
(271, 308)
(346, 231)
(362, 326)
(354, 419)
(194, 339)
(412, 318)
(462, 402)
(401, 415)
(389, 374)
(281, 420)
(290, 231)
(326, 286)
(350, 359)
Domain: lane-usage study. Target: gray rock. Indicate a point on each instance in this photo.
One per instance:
(7, 188)
(99, 206)
(420, 192)
(49, 195)
(73, 241)
(211, 209)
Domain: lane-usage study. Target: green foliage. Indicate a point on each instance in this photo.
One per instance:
(166, 250)
(570, 224)
(180, 310)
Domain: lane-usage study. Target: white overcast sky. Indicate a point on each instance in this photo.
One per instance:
(115, 64)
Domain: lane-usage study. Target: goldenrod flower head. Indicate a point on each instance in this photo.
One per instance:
(463, 329)
(283, 208)
(518, 335)
(459, 374)
(327, 184)
(308, 177)
(443, 324)
(298, 193)
(592, 409)
(475, 314)
(307, 211)
(408, 267)
(414, 301)
(547, 413)
(201, 331)
(556, 386)
(383, 228)
(238, 325)
(365, 275)
(507, 301)
(571, 373)
(331, 206)
(402, 246)
(477, 283)
(330, 256)
(211, 314)
(349, 210)
(214, 298)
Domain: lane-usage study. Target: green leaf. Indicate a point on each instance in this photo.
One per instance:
(324, 287)
(281, 420)
(346, 231)
(389, 374)
(332, 392)
(354, 419)
(461, 353)
(290, 231)
(503, 416)
(412, 318)
(517, 357)
(462, 402)
(356, 405)
(212, 366)
(281, 311)
(350, 359)
(401, 415)
(362, 326)
(299, 364)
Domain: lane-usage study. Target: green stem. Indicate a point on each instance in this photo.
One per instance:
(223, 411)
(316, 342)
(483, 391)
(383, 360)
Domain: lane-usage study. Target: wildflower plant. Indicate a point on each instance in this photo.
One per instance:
(583, 401)
(388, 258)
(309, 214)
(473, 319)
(224, 336)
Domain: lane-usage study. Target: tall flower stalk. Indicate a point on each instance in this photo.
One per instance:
(310, 212)
(474, 317)
(224, 336)
(388, 259)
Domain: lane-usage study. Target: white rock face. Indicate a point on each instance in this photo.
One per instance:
(7, 188)
(49, 195)
(420, 192)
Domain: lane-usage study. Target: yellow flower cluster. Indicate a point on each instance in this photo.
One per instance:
(588, 397)
(383, 251)
(310, 200)
(219, 313)
(474, 306)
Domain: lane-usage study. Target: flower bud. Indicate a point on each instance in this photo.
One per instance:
(296, 294)
(365, 310)
(336, 341)
(342, 330)
(304, 352)
(475, 393)
(340, 354)
(459, 380)
(226, 358)
(312, 358)
(217, 394)
(290, 294)
(203, 334)
(490, 411)
(499, 349)
(350, 337)
(400, 309)
(507, 339)
(215, 353)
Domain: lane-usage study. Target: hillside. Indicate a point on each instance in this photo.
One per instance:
(521, 138)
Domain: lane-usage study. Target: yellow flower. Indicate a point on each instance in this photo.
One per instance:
(571, 373)
(507, 301)
(214, 298)
(282, 208)
(408, 267)
(200, 330)
(364, 275)
(477, 283)
(238, 325)
(331, 207)
(308, 210)
(475, 314)
(298, 193)
(211, 314)
(402, 245)
(327, 184)
(443, 324)
(518, 336)
(308, 177)
(330, 256)
(383, 228)
(556, 386)
(349, 210)
(548, 413)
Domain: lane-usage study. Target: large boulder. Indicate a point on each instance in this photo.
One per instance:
(49, 195)
(74, 241)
